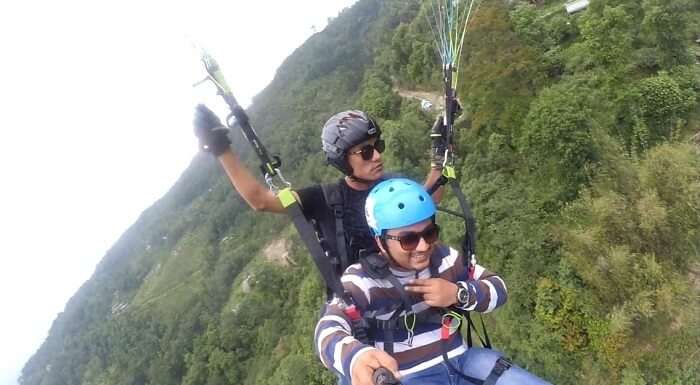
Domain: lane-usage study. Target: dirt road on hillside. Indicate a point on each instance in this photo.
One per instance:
(435, 98)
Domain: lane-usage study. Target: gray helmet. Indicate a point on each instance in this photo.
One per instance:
(343, 131)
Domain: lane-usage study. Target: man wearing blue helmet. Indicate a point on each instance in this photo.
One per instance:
(409, 295)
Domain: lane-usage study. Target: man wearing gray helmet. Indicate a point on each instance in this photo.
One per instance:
(352, 143)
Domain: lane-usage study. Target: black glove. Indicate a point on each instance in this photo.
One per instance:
(213, 136)
(456, 108)
(439, 143)
(438, 136)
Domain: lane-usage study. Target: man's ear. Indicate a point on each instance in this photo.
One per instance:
(379, 242)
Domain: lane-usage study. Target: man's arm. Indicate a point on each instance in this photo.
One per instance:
(213, 138)
(487, 290)
(258, 197)
(438, 147)
(334, 342)
(433, 175)
(340, 351)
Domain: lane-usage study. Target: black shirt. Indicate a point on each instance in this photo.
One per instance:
(357, 232)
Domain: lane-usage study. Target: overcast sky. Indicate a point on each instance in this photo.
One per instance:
(95, 122)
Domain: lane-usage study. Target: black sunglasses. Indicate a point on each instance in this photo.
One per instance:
(410, 240)
(367, 151)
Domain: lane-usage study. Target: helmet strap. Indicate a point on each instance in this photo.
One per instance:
(386, 249)
(361, 180)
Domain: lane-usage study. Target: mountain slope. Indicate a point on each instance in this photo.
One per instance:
(573, 150)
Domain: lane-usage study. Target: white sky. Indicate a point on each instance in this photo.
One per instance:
(95, 125)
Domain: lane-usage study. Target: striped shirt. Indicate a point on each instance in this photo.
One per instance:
(378, 298)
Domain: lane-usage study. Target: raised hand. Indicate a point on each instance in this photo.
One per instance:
(212, 135)
(436, 292)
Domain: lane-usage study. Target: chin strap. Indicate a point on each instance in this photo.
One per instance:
(361, 180)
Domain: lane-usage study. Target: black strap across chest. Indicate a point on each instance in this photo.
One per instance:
(334, 199)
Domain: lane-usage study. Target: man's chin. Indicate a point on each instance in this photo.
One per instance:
(420, 263)
(373, 174)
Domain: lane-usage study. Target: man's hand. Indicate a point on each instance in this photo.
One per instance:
(438, 137)
(438, 143)
(437, 292)
(368, 362)
(211, 133)
(456, 108)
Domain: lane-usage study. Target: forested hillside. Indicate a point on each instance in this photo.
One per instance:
(579, 151)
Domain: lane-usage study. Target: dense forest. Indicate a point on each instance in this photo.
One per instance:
(579, 148)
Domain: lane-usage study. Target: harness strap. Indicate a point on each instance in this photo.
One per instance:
(400, 325)
(308, 236)
(434, 266)
(334, 199)
(405, 298)
(389, 326)
(469, 330)
(389, 338)
(502, 364)
(340, 239)
(469, 379)
(377, 267)
(442, 180)
(485, 342)
(469, 245)
(359, 325)
(486, 334)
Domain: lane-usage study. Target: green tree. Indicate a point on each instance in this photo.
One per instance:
(662, 103)
(557, 139)
(607, 38)
(378, 98)
(664, 27)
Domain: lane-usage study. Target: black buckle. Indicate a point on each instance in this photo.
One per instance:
(389, 324)
(360, 330)
(334, 261)
(502, 364)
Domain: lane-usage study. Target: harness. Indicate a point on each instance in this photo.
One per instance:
(342, 246)
(331, 236)
(334, 199)
(377, 267)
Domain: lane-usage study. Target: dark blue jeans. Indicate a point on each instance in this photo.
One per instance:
(476, 363)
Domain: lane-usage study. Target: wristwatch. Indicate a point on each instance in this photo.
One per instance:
(462, 293)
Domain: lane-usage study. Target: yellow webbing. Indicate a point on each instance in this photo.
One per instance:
(286, 197)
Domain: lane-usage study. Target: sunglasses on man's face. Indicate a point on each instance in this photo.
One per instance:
(410, 240)
(367, 151)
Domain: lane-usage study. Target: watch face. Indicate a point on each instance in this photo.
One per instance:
(463, 295)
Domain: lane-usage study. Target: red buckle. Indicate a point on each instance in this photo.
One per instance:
(445, 332)
(445, 329)
(352, 312)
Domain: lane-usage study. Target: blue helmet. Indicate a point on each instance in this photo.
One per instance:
(395, 203)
